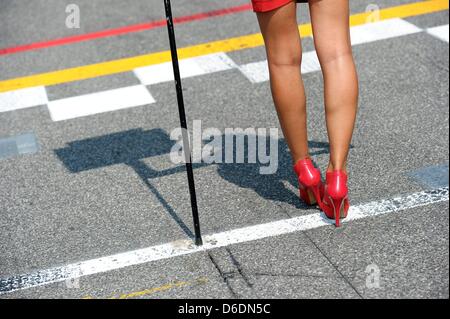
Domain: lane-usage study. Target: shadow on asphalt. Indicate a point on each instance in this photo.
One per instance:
(133, 146)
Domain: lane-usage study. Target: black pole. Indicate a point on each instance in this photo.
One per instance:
(186, 146)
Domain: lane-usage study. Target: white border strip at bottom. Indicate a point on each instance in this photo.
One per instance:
(99, 102)
(246, 234)
(23, 98)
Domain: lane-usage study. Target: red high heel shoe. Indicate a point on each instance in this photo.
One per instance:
(310, 182)
(335, 203)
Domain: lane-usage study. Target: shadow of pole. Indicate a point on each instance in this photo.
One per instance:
(133, 146)
(146, 173)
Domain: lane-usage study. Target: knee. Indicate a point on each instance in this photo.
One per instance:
(332, 54)
(286, 59)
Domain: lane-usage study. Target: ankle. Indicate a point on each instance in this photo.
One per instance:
(332, 168)
(297, 159)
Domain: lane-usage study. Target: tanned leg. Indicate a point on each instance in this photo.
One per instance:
(284, 53)
(330, 21)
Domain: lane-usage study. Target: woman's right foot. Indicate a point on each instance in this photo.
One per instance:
(310, 182)
(335, 202)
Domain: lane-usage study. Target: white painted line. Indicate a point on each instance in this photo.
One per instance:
(202, 65)
(256, 72)
(439, 32)
(24, 98)
(99, 102)
(236, 236)
(310, 62)
(382, 30)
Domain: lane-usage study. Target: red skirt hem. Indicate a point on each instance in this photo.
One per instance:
(269, 5)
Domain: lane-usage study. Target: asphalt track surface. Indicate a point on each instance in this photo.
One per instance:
(91, 205)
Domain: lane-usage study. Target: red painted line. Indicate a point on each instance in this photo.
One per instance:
(123, 30)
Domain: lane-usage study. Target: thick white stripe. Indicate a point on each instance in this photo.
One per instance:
(310, 62)
(24, 98)
(382, 30)
(99, 102)
(206, 64)
(258, 72)
(185, 247)
(440, 32)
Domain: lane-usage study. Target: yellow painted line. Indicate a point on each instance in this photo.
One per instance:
(227, 45)
(150, 291)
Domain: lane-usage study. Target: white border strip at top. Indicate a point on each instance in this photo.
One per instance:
(258, 72)
(440, 32)
(246, 234)
(202, 65)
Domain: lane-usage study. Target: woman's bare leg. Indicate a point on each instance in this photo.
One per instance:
(330, 21)
(284, 53)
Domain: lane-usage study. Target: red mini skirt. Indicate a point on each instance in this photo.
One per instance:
(268, 5)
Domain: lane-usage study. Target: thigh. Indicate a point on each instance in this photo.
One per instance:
(330, 22)
(281, 36)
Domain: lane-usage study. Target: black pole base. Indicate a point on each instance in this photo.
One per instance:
(198, 241)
